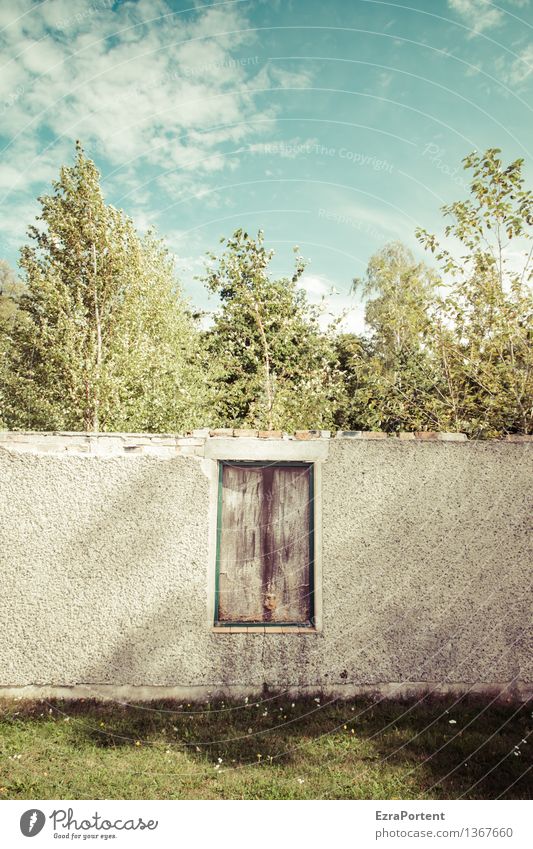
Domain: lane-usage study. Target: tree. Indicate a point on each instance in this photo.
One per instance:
(272, 367)
(392, 378)
(453, 352)
(103, 339)
(10, 292)
(485, 331)
(352, 351)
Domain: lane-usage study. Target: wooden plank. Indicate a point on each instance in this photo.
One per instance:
(240, 545)
(288, 589)
(264, 554)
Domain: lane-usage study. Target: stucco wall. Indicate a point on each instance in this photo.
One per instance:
(106, 566)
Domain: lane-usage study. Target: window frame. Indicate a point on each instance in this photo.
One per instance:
(300, 627)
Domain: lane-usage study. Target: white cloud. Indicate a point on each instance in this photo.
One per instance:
(482, 15)
(385, 79)
(520, 69)
(274, 76)
(321, 291)
(141, 86)
(478, 15)
(354, 320)
(315, 286)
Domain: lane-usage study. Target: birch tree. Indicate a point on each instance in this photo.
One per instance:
(103, 339)
(392, 376)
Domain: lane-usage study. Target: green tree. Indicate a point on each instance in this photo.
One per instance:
(271, 365)
(453, 352)
(10, 292)
(352, 352)
(392, 378)
(103, 338)
(485, 330)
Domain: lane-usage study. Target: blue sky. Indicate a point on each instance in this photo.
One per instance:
(334, 126)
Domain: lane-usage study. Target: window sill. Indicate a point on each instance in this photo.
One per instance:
(262, 629)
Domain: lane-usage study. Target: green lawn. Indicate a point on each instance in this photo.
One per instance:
(273, 749)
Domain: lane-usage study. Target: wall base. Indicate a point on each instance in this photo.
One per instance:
(516, 691)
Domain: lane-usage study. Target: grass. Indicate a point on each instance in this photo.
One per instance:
(271, 749)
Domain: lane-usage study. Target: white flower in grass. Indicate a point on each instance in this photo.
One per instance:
(300, 780)
(219, 760)
(452, 721)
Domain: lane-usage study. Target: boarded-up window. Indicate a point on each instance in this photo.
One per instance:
(265, 544)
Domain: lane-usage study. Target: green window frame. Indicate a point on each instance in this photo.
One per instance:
(309, 622)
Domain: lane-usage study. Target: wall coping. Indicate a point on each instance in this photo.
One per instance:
(214, 443)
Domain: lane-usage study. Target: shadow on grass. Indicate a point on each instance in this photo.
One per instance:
(435, 748)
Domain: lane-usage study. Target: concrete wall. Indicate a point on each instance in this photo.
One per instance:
(107, 567)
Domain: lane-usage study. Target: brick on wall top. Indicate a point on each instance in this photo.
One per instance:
(193, 443)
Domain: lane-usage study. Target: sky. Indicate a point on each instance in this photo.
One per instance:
(335, 126)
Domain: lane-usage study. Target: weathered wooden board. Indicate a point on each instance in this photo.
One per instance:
(240, 545)
(264, 553)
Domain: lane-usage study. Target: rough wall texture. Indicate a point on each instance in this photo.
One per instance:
(106, 573)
